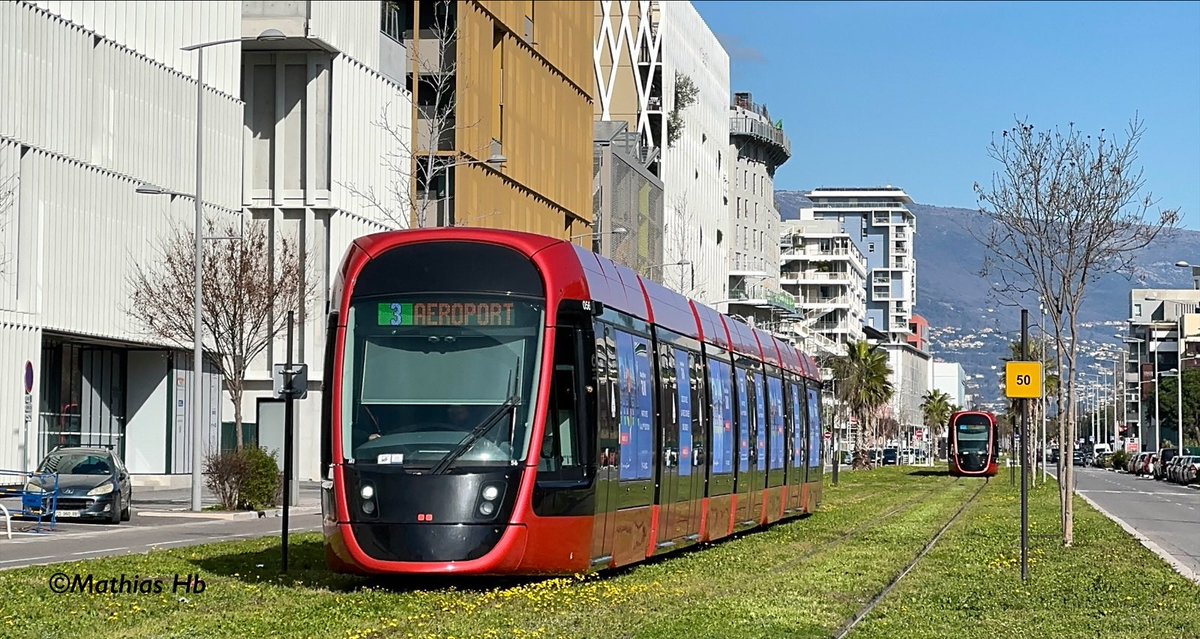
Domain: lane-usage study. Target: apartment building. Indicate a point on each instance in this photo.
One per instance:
(878, 222)
(757, 147)
(826, 274)
(1163, 338)
(502, 113)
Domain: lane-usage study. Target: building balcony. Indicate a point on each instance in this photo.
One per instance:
(873, 204)
(763, 297)
(777, 145)
(798, 277)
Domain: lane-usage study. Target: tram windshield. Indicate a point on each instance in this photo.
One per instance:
(972, 432)
(422, 374)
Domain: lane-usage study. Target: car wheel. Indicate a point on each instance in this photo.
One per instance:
(125, 514)
(116, 509)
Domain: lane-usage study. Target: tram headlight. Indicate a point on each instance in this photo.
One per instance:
(367, 492)
(368, 507)
(489, 493)
(487, 508)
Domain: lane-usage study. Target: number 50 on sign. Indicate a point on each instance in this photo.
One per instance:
(1023, 380)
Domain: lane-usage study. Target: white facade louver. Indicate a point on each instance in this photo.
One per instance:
(102, 99)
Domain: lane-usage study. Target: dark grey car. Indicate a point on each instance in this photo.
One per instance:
(92, 483)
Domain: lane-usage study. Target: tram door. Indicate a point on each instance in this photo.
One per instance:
(680, 431)
(748, 477)
(603, 396)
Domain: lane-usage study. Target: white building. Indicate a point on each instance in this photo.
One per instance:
(878, 222)
(694, 165)
(757, 147)
(951, 379)
(100, 99)
(1164, 335)
(826, 273)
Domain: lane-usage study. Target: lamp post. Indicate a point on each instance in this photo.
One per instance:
(197, 327)
(620, 230)
(683, 262)
(1174, 372)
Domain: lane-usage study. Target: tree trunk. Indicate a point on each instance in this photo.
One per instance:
(1062, 442)
(1069, 505)
(235, 396)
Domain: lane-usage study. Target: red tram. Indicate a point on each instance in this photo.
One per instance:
(506, 403)
(974, 445)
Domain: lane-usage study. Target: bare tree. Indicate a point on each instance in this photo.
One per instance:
(420, 152)
(681, 243)
(1065, 208)
(248, 287)
(8, 197)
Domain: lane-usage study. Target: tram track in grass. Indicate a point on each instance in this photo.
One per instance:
(845, 630)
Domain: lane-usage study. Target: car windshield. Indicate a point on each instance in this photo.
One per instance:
(76, 464)
(420, 374)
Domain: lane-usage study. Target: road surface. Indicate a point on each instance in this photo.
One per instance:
(76, 541)
(1166, 513)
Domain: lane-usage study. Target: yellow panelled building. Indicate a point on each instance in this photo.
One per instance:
(524, 89)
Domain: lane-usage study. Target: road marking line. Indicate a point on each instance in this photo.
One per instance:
(13, 561)
(88, 552)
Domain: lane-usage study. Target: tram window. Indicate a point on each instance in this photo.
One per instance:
(814, 427)
(721, 398)
(636, 406)
(798, 427)
(562, 450)
(775, 396)
(760, 424)
(743, 411)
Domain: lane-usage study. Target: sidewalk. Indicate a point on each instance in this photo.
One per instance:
(176, 502)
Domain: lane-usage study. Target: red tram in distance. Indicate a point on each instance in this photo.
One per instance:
(507, 403)
(974, 444)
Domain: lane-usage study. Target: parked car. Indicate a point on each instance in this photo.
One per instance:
(1163, 461)
(891, 457)
(92, 483)
(1190, 471)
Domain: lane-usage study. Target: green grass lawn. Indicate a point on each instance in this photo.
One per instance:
(800, 579)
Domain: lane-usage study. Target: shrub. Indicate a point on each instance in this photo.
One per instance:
(225, 474)
(1118, 460)
(262, 479)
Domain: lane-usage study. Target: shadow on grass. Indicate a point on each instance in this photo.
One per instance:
(942, 472)
(307, 569)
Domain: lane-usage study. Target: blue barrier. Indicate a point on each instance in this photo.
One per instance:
(38, 493)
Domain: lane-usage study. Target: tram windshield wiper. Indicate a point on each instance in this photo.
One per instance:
(478, 432)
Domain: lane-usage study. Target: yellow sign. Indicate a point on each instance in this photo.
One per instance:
(1023, 380)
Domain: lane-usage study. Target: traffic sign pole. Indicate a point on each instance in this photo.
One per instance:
(287, 439)
(1023, 381)
(1025, 454)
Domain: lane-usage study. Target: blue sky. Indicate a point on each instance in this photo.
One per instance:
(909, 94)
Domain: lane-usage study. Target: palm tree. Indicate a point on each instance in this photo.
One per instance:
(937, 409)
(864, 385)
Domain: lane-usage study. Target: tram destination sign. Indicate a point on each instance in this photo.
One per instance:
(1023, 380)
(446, 314)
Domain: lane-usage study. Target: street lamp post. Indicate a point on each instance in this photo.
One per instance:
(197, 301)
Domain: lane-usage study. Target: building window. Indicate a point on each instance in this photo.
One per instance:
(275, 87)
